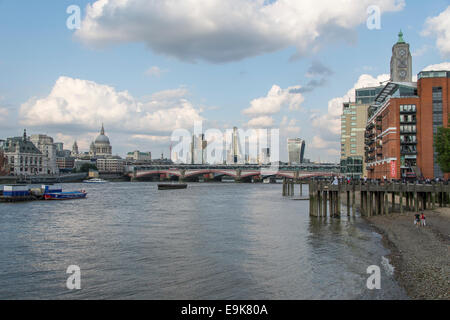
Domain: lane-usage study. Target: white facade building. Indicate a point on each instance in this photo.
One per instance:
(23, 157)
(47, 147)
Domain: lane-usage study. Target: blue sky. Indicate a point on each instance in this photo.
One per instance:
(214, 73)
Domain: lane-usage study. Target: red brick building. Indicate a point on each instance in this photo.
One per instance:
(401, 126)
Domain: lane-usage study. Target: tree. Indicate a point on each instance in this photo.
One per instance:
(85, 167)
(442, 147)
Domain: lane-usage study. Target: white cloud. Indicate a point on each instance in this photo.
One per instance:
(420, 51)
(3, 113)
(221, 31)
(85, 104)
(439, 27)
(438, 67)
(289, 127)
(155, 71)
(319, 143)
(276, 99)
(83, 140)
(151, 138)
(329, 124)
(169, 96)
(261, 122)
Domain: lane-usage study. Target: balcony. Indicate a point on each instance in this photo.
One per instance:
(409, 142)
(408, 150)
(407, 122)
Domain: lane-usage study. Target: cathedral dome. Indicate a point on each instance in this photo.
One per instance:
(101, 146)
(102, 138)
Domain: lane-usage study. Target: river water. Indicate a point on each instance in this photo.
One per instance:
(211, 241)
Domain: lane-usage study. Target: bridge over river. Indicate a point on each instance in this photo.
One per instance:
(240, 173)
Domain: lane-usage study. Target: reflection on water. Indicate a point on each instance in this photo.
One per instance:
(211, 241)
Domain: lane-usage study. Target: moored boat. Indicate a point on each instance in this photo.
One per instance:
(65, 195)
(172, 186)
(95, 180)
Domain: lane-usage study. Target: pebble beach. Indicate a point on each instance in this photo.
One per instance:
(420, 255)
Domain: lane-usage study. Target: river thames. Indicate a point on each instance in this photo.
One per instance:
(211, 241)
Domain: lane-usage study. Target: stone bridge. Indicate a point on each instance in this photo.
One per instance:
(214, 173)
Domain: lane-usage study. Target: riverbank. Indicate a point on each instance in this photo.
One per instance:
(420, 255)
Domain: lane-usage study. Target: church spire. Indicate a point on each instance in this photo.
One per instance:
(400, 37)
(102, 132)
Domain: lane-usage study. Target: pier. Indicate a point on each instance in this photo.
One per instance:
(326, 199)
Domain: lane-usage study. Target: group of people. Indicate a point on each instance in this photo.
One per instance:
(420, 220)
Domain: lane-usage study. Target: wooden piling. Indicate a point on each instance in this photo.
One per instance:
(416, 202)
(386, 202)
(353, 202)
(401, 202)
(348, 203)
(393, 202)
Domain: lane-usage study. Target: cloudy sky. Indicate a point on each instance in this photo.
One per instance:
(145, 68)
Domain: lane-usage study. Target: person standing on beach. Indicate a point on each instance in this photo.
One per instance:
(417, 220)
(423, 220)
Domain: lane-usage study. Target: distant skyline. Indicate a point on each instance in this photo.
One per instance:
(146, 68)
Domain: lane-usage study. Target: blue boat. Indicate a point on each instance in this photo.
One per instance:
(65, 195)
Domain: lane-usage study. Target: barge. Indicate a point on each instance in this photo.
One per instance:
(172, 186)
(20, 193)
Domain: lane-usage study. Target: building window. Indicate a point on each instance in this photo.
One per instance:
(437, 122)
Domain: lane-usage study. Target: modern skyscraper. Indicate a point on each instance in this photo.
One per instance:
(198, 149)
(296, 150)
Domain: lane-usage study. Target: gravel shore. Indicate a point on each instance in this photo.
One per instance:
(420, 255)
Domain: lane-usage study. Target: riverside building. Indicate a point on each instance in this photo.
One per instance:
(403, 120)
(47, 147)
(23, 157)
(353, 127)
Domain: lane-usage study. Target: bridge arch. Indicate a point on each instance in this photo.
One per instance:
(209, 171)
(146, 174)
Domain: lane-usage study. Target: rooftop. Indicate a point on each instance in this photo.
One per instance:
(434, 74)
